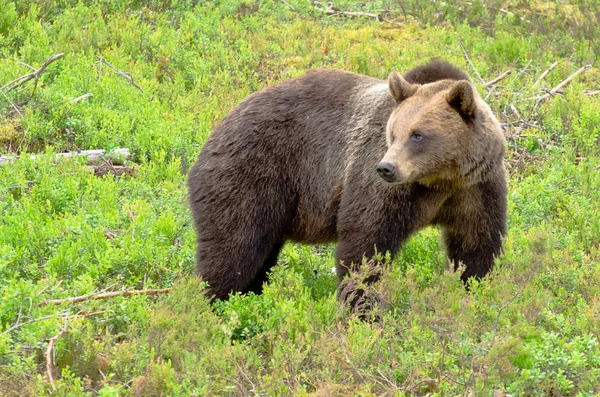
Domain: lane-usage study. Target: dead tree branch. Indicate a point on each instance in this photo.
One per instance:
(125, 75)
(81, 98)
(332, 10)
(35, 320)
(592, 93)
(33, 75)
(470, 63)
(51, 342)
(106, 295)
(562, 84)
(289, 5)
(498, 79)
(551, 68)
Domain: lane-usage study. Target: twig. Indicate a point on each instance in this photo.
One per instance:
(470, 63)
(544, 74)
(497, 79)
(522, 70)
(51, 342)
(80, 98)
(13, 105)
(35, 320)
(500, 312)
(33, 75)
(125, 75)
(106, 295)
(591, 93)
(289, 5)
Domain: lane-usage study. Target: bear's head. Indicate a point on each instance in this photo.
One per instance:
(441, 134)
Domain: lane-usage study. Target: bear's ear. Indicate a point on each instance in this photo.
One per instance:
(462, 98)
(400, 88)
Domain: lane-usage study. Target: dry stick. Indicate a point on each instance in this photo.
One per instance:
(80, 98)
(35, 320)
(591, 93)
(51, 342)
(33, 75)
(544, 74)
(522, 70)
(563, 83)
(289, 5)
(499, 78)
(12, 104)
(470, 63)
(125, 75)
(332, 12)
(104, 296)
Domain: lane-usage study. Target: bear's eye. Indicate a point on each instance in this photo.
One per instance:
(416, 136)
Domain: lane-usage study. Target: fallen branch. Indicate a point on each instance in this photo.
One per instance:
(51, 342)
(567, 81)
(94, 157)
(33, 75)
(470, 63)
(80, 98)
(562, 84)
(592, 93)
(35, 320)
(105, 295)
(332, 10)
(12, 104)
(289, 5)
(499, 78)
(551, 68)
(125, 75)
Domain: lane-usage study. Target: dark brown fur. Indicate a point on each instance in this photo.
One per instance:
(297, 161)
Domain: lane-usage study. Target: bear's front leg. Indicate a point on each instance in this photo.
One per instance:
(357, 267)
(475, 224)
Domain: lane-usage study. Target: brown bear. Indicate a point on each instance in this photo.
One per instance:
(336, 156)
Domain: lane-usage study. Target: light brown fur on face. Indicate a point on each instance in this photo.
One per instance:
(440, 132)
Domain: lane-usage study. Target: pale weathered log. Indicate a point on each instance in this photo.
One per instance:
(97, 156)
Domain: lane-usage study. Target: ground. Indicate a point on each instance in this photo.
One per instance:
(531, 328)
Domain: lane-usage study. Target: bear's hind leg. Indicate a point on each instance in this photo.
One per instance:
(235, 265)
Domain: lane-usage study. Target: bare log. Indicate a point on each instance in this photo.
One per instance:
(97, 156)
(33, 75)
(105, 295)
(499, 78)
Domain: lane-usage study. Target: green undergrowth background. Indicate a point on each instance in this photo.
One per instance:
(531, 329)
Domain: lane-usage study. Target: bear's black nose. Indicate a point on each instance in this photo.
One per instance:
(387, 171)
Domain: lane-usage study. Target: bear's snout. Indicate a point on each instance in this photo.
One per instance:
(387, 171)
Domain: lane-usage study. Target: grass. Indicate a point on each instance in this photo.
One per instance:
(532, 328)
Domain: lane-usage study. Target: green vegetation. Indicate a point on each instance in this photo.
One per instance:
(531, 329)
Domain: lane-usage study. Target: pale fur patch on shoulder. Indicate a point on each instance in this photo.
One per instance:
(377, 88)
